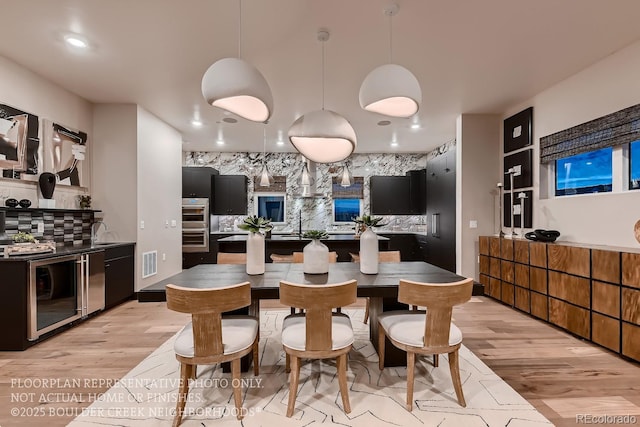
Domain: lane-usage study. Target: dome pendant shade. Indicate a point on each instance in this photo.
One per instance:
(391, 90)
(236, 86)
(323, 136)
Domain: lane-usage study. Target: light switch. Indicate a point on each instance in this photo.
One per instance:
(164, 256)
(141, 225)
(473, 224)
(173, 223)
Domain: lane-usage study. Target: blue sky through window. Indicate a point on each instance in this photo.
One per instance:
(634, 165)
(344, 210)
(585, 173)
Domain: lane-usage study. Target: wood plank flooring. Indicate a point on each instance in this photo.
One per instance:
(560, 375)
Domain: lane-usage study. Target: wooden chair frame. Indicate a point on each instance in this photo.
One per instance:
(317, 302)
(231, 258)
(206, 307)
(439, 299)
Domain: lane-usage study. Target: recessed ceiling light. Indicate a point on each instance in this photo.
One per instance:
(76, 41)
(230, 120)
(220, 142)
(394, 144)
(197, 123)
(384, 123)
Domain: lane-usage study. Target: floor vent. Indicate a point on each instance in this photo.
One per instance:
(149, 263)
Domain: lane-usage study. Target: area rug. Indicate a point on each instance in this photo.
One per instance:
(146, 396)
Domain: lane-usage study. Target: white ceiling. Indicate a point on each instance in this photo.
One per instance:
(470, 56)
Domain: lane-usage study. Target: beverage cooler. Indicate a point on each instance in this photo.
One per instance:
(62, 290)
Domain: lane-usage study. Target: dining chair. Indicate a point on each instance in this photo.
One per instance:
(426, 333)
(318, 333)
(298, 257)
(211, 338)
(231, 258)
(281, 258)
(383, 256)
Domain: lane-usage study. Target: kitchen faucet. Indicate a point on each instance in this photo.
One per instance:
(94, 230)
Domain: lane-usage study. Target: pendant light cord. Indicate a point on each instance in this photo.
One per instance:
(264, 145)
(391, 38)
(240, 29)
(323, 42)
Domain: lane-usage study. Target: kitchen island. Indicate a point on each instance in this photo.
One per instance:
(343, 244)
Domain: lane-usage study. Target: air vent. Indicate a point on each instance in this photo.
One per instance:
(149, 263)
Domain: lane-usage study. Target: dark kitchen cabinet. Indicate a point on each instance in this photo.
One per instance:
(119, 273)
(441, 210)
(390, 195)
(418, 191)
(406, 243)
(196, 182)
(229, 195)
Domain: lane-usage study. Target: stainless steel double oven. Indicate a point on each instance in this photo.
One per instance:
(195, 225)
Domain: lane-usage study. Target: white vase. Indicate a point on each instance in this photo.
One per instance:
(369, 252)
(255, 253)
(316, 258)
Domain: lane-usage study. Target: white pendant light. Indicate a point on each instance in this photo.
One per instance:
(266, 179)
(323, 136)
(236, 86)
(345, 178)
(391, 89)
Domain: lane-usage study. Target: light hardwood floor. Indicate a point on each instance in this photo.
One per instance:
(560, 375)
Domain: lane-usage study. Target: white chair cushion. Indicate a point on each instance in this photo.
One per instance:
(294, 332)
(407, 327)
(238, 333)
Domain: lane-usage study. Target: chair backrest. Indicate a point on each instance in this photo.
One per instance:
(383, 256)
(281, 258)
(389, 256)
(317, 302)
(439, 299)
(206, 307)
(298, 257)
(231, 258)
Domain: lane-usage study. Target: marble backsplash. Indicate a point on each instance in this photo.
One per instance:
(316, 211)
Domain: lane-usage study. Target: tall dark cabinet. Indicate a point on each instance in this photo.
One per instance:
(196, 182)
(229, 195)
(441, 210)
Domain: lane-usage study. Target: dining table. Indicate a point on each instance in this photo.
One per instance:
(380, 288)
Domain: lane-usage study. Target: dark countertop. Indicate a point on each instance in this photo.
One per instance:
(66, 250)
(289, 238)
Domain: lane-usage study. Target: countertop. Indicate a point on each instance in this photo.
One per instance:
(289, 238)
(67, 250)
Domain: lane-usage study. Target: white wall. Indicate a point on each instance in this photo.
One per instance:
(603, 88)
(114, 169)
(159, 178)
(27, 91)
(477, 173)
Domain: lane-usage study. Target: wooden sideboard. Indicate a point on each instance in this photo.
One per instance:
(591, 291)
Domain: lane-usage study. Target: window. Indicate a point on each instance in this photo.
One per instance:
(634, 165)
(344, 210)
(589, 172)
(272, 206)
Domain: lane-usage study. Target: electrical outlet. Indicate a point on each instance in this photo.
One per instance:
(40, 227)
(166, 223)
(141, 225)
(164, 256)
(173, 223)
(517, 170)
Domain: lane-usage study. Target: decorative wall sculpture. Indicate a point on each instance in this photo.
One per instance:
(517, 130)
(19, 142)
(64, 150)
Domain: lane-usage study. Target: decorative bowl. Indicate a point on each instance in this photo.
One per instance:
(12, 203)
(25, 203)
